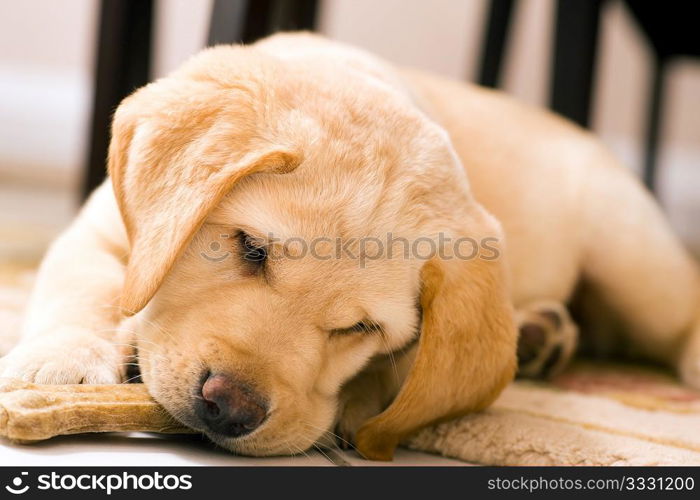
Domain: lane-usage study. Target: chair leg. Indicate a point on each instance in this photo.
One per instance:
(123, 64)
(573, 68)
(294, 15)
(655, 116)
(494, 42)
(228, 21)
(244, 21)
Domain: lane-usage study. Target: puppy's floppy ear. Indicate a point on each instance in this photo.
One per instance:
(168, 176)
(466, 352)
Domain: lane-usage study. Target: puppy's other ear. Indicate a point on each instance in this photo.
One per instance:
(466, 352)
(167, 177)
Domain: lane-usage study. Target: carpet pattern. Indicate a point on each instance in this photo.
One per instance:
(593, 414)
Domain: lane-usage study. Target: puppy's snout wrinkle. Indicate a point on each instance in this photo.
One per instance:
(229, 407)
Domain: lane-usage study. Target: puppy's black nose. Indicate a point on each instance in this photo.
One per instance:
(230, 407)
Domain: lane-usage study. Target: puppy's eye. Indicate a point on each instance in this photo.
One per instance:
(364, 326)
(251, 249)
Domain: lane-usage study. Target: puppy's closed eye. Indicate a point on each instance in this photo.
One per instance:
(364, 326)
(252, 251)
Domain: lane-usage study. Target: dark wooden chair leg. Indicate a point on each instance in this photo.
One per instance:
(301, 15)
(494, 42)
(228, 21)
(123, 64)
(244, 21)
(573, 68)
(654, 122)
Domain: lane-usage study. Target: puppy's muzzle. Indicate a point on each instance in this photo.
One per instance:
(229, 407)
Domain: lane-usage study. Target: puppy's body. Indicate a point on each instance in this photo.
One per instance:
(369, 166)
(570, 213)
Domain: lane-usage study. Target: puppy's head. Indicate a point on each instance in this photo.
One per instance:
(284, 227)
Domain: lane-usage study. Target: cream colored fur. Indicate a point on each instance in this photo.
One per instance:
(302, 137)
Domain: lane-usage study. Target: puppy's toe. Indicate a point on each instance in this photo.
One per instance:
(547, 341)
(58, 372)
(70, 373)
(65, 359)
(24, 372)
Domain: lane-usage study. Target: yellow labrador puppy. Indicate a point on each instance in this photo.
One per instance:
(298, 237)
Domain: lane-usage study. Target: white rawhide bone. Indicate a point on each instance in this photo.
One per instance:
(32, 412)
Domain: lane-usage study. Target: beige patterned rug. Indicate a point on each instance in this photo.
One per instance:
(594, 414)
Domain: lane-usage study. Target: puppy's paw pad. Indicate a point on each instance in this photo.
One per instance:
(547, 339)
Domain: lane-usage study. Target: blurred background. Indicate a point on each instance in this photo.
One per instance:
(52, 53)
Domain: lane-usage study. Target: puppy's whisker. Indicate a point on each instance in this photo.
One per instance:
(119, 308)
(320, 450)
(392, 359)
(140, 318)
(116, 329)
(328, 432)
(131, 378)
(296, 449)
(134, 333)
(140, 349)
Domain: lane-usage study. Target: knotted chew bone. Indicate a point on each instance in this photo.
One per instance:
(32, 412)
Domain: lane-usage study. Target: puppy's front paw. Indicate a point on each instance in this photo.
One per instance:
(67, 356)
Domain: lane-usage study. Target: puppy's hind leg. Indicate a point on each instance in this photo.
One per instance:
(547, 339)
(639, 268)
